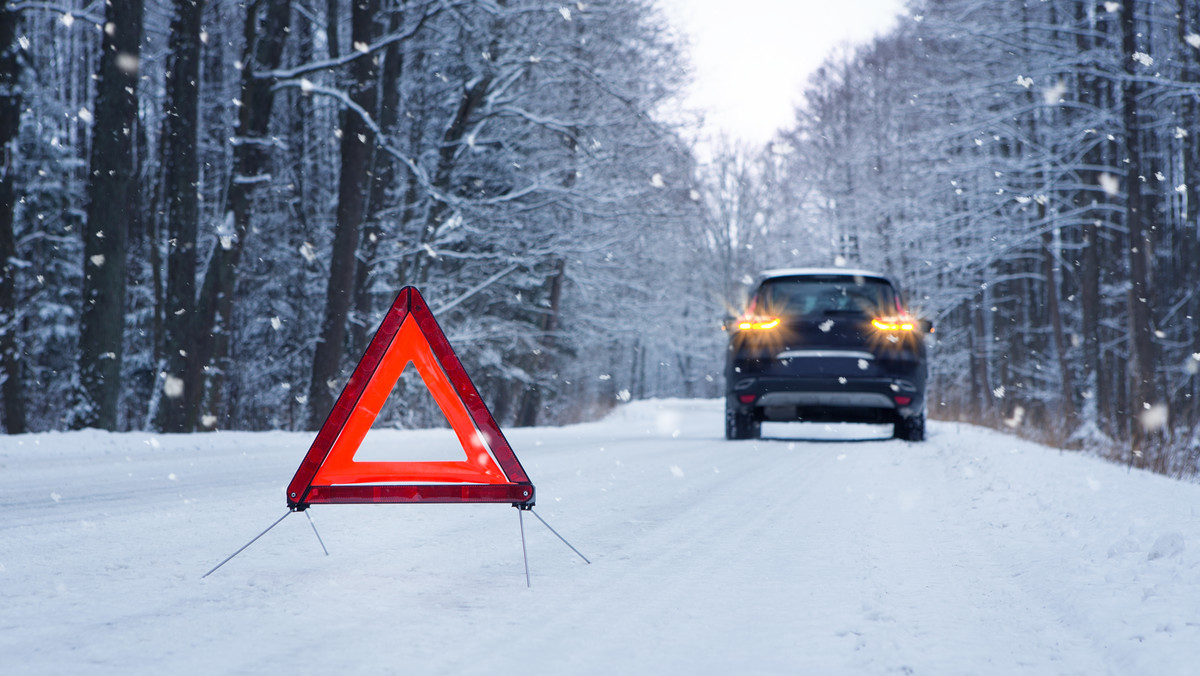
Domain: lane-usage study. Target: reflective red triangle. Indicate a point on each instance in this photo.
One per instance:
(489, 472)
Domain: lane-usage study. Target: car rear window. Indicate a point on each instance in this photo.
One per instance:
(827, 295)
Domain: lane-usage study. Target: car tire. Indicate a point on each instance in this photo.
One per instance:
(911, 428)
(741, 424)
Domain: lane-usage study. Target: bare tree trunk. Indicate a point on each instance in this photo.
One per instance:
(981, 367)
(1053, 308)
(358, 144)
(106, 232)
(531, 402)
(382, 180)
(251, 154)
(1089, 301)
(1092, 93)
(13, 394)
(1141, 337)
(182, 385)
(1189, 24)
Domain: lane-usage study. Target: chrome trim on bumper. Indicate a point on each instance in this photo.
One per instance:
(825, 354)
(836, 399)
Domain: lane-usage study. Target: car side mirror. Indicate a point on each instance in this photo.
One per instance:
(925, 326)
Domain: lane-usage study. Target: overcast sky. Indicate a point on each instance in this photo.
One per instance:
(751, 58)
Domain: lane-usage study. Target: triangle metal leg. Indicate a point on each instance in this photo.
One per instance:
(256, 537)
(524, 552)
(564, 540)
(314, 527)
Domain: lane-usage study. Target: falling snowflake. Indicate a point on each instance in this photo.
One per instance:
(308, 252)
(1194, 40)
(1143, 58)
(128, 63)
(173, 387)
(1018, 415)
(1025, 82)
(565, 12)
(657, 181)
(1110, 184)
(1054, 95)
(1154, 418)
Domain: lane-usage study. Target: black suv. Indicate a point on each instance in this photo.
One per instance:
(825, 345)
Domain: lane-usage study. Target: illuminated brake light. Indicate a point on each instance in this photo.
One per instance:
(759, 326)
(884, 325)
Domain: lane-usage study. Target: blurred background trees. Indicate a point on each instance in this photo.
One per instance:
(210, 205)
(1030, 170)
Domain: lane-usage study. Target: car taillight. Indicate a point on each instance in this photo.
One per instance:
(758, 323)
(902, 400)
(894, 324)
(747, 398)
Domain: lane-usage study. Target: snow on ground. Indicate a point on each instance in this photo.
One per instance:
(824, 550)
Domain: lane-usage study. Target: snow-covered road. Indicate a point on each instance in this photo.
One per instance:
(824, 550)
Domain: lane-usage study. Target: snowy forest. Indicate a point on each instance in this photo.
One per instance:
(1031, 172)
(205, 208)
(209, 205)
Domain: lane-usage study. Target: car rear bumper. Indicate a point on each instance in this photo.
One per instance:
(827, 398)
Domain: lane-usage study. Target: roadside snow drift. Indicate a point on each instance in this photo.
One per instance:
(821, 549)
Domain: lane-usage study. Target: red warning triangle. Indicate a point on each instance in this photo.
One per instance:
(489, 472)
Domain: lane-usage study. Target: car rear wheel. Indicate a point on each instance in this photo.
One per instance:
(740, 424)
(910, 428)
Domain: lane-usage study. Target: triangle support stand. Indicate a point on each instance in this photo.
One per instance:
(564, 540)
(521, 509)
(524, 552)
(314, 527)
(268, 530)
(256, 537)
